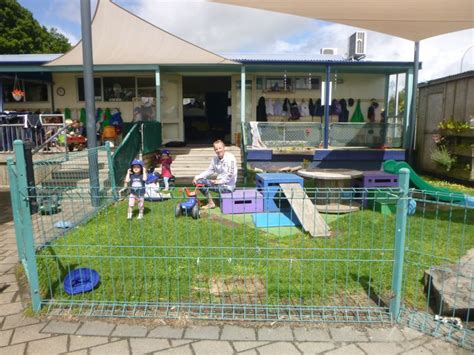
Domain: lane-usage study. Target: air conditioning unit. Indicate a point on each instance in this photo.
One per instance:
(331, 51)
(358, 45)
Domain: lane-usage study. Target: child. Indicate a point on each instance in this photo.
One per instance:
(136, 177)
(165, 161)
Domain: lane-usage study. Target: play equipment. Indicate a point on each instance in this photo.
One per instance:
(190, 206)
(274, 219)
(242, 201)
(269, 184)
(153, 172)
(305, 210)
(441, 194)
(81, 281)
(375, 178)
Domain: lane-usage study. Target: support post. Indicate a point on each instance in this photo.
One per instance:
(26, 225)
(327, 89)
(406, 114)
(243, 119)
(400, 236)
(1, 95)
(158, 95)
(89, 95)
(386, 111)
(413, 115)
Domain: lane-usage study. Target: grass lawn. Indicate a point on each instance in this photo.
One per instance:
(224, 259)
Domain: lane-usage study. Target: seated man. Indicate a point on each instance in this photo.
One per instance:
(224, 166)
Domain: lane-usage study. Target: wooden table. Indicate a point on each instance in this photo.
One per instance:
(330, 201)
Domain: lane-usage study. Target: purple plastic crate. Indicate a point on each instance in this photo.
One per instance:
(378, 179)
(375, 178)
(242, 201)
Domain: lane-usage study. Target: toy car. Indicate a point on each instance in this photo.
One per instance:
(78, 142)
(190, 206)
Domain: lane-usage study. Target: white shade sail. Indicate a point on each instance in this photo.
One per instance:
(120, 37)
(410, 19)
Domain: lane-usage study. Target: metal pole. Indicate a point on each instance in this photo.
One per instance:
(30, 263)
(326, 106)
(1, 95)
(396, 98)
(89, 95)
(400, 236)
(413, 116)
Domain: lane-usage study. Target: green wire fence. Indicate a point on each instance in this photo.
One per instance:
(376, 263)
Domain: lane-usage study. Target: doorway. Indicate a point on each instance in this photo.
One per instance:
(206, 109)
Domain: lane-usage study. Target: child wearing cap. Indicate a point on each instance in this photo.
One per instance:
(135, 179)
(165, 160)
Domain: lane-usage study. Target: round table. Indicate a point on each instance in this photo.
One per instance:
(330, 201)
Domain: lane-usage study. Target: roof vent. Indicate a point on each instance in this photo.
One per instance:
(357, 45)
(331, 51)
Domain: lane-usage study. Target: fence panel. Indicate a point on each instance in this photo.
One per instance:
(365, 135)
(438, 283)
(285, 134)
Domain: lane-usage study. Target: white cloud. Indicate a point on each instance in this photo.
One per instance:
(220, 28)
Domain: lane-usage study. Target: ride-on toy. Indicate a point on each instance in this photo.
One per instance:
(190, 206)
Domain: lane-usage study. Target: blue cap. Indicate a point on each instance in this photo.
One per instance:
(137, 162)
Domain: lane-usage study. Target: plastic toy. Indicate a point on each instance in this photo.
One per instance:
(190, 206)
(81, 281)
(48, 205)
(78, 142)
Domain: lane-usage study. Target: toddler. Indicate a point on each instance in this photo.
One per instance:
(135, 179)
(165, 160)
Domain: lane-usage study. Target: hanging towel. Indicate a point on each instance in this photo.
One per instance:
(357, 116)
(256, 139)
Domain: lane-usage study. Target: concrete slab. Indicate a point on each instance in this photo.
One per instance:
(233, 332)
(278, 348)
(77, 342)
(125, 330)
(314, 347)
(118, 348)
(166, 332)
(347, 334)
(380, 348)
(96, 329)
(60, 327)
(145, 346)
(206, 332)
(18, 320)
(246, 345)
(29, 333)
(5, 336)
(345, 350)
(305, 334)
(275, 334)
(53, 345)
(207, 347)
(14, 349)
(385, 334)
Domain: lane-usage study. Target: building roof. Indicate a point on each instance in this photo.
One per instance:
(27, 58)
(289, 57)
(413, 20)
(463, 75)
(133, 40)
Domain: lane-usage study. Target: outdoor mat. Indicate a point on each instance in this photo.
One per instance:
(274, 219)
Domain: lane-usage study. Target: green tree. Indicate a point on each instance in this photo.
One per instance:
(401, 103)
(20, 33)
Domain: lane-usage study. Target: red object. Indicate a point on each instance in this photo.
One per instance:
(76, 139)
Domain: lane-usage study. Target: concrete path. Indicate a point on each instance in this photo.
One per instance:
(20, 334)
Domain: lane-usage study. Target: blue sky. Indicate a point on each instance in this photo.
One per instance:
(224, 29)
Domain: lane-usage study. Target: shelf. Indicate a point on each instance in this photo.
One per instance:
(468, 133)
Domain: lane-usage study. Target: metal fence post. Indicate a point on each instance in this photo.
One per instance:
(399, 252)
(14, 196)
(27, 226)
(111, 171)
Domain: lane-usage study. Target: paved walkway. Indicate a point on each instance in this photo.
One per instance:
(20, 334)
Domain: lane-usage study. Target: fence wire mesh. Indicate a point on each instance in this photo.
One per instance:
(256, 256)
(301, 134)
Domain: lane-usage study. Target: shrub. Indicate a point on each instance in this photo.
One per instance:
(443, 157)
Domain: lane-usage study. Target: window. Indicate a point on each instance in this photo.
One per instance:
(146, 87)
(97, 89)
(119, 88)
(34, 91)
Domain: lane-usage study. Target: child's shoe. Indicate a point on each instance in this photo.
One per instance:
(129, 216)
(140, 216)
